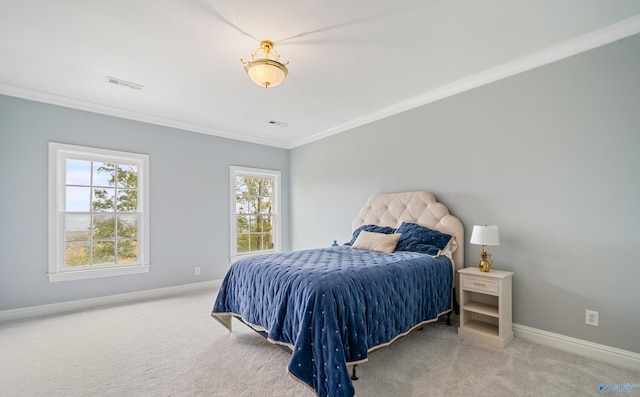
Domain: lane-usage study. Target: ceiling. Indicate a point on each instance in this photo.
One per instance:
(351, 62)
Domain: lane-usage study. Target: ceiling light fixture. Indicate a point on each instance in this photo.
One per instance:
(266, 72)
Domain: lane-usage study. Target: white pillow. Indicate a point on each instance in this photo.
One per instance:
(377, 241)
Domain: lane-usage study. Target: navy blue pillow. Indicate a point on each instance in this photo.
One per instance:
(371, 228)
(416, 238)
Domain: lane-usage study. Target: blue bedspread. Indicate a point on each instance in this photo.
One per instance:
(334, 305)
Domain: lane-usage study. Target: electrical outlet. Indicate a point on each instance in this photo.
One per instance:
(591, 318)
(197, 271)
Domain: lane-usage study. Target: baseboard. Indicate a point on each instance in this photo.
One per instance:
(612, 355)
(83, 304)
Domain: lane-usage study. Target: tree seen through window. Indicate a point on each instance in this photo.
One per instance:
(101, 218)
(254, 214)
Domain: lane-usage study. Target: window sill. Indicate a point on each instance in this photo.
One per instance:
(96, 273)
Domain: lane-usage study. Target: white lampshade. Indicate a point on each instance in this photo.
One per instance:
(485, 235)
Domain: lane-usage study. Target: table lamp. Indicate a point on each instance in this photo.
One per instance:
(485, 235)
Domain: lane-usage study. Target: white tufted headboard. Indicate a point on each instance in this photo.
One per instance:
(392, 209)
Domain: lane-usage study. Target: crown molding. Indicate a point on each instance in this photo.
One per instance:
(77, 104)
(586, 42)
(580, 44)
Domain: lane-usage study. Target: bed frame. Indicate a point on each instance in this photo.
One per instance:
(420, 207)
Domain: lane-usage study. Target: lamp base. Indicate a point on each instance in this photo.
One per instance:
(485, 263)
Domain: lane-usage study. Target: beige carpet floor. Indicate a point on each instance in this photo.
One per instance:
(172, 347)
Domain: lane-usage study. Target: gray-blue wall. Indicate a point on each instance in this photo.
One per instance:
(552, 156)
(189, 199)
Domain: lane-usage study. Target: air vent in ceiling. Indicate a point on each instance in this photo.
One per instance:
(278, 123)
(124, 83)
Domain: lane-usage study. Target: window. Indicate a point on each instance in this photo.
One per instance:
(98, 212)
(255, 208)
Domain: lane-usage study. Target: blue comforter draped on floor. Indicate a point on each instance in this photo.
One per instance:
(332, 306)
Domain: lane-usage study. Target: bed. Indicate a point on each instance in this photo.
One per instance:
(333, 306)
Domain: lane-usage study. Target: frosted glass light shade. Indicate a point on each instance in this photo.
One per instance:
(266, 72)
(485, 235)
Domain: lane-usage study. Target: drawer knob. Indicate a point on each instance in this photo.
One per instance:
(479, 284)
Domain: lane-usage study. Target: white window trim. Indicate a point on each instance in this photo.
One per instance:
(259, 172)
(58, 153)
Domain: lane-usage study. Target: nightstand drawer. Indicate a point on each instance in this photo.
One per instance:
(480, 284)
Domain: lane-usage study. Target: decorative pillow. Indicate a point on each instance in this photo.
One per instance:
(376, 241)
(370, 228)
(421, 239)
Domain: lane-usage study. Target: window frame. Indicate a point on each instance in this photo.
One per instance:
(58, 154)
(236, 171)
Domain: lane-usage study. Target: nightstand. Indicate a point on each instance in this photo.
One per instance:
(485, 306)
